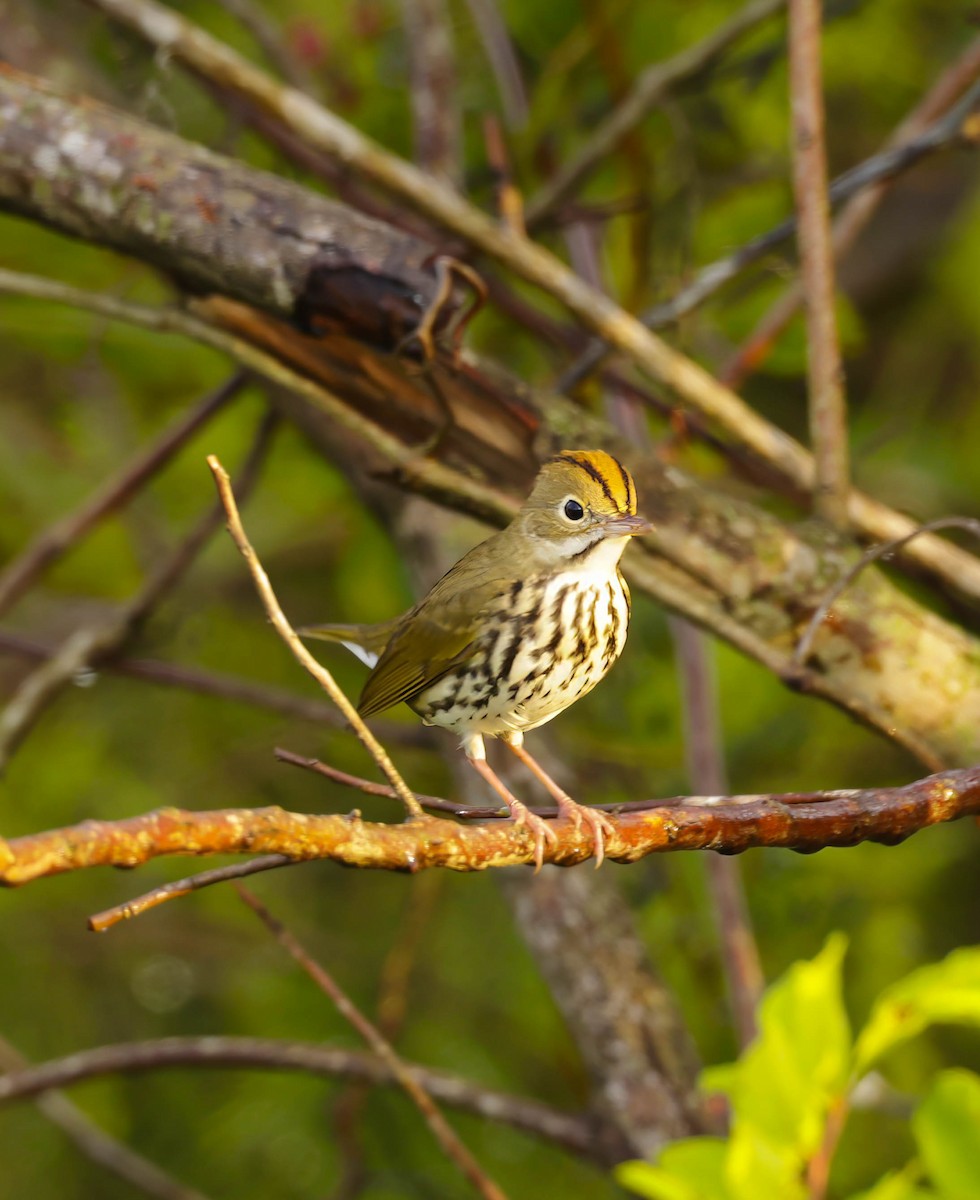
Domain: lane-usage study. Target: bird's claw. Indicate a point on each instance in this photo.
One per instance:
(598, 823)
(539, 829)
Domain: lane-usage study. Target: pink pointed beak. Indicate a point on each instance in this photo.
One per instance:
(626, 526)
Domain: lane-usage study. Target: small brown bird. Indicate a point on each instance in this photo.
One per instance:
(521, 627)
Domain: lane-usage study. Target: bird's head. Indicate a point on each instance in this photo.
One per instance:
(580, 500)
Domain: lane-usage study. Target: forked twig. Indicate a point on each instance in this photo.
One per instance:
(320, 673)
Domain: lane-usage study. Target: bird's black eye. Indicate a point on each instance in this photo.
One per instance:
(573, 510)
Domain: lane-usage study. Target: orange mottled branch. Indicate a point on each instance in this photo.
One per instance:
(729, 825)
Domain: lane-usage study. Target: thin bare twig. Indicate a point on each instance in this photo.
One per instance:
(818, 1168)
(300, 652)
(390, 1013)
(89, 645)
(101, 921)
(955, 128)
(451, 1145)
(574, 1132)
(805, 644)
(91, 1141)
(706, 769)
(503, 61)
(252, 17)
(855, 214)
(825, 371)
(64, 534)
(371, 788)
(650, 89)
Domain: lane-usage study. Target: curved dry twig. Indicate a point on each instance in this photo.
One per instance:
(573, 1131)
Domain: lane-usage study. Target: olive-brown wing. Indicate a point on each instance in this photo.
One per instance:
(438, 635)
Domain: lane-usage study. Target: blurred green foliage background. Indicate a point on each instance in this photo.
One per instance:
(78, 395)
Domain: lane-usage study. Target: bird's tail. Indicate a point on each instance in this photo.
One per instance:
(367, 642)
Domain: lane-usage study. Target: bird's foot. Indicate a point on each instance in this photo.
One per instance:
(537, 826)
(539, 829)
(598, 822)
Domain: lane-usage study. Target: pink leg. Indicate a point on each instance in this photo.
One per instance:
(540, 829)
(598, 822)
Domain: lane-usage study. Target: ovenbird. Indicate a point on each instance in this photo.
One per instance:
(521, 627)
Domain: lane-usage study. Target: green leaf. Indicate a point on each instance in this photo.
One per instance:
(947, 1128)
(758, 1166)
(947, 992)
(800, 1062)
(898, 1185)
(692, 1169)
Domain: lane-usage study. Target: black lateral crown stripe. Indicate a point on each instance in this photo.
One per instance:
(597, 475)
(627, 484)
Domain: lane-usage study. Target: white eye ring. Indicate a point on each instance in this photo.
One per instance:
(572, 509)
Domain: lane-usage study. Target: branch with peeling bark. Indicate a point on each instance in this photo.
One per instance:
(182, 225)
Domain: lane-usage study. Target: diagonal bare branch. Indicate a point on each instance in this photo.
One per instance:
(825, 370)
